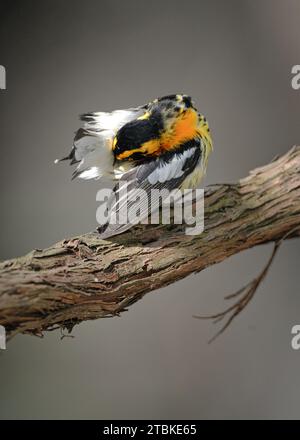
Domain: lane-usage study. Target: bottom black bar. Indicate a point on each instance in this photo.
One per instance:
(135, 429)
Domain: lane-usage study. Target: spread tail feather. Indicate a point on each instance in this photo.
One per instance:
(70, 156)
(92, 148)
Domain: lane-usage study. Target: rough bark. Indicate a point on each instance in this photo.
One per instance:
(87, 278)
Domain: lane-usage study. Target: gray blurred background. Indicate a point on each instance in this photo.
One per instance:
(64, 58)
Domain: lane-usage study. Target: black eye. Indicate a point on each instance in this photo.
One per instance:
(187, 101)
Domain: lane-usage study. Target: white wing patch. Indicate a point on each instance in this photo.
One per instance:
(170, 170)
(158, 175)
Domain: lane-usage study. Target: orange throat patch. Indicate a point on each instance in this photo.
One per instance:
(184, 129)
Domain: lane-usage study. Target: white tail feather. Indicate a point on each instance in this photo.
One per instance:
(92, 149)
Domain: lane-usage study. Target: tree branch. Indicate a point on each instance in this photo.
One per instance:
(87, 278)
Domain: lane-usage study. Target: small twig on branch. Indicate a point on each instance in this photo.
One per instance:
(88, 278)
(245, 293)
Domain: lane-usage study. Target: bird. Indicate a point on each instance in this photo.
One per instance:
(164, 144)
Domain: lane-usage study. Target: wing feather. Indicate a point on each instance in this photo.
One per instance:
(158, 174)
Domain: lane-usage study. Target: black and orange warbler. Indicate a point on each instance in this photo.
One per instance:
(164, 144)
